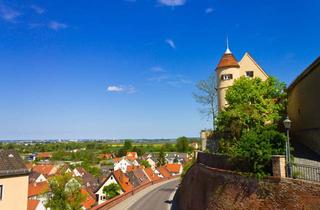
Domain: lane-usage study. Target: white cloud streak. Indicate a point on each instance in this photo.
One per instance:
(157, 69)
(172, 3)
(209, 10)
(54, 25)
(37, 9)
(8, 14)
(121, 89)
(171, 43)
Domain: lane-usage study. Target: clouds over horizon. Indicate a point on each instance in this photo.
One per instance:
(121, 89)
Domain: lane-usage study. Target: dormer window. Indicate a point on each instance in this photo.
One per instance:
(226, 77)
(249, 74)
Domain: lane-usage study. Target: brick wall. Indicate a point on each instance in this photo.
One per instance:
(210, 188)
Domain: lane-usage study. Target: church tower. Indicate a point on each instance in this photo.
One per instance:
(229, 69)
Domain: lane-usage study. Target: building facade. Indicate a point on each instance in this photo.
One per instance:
(303, 107)
(229, 69)
(13, 181)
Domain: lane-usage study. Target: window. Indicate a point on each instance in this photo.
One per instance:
(249, 73)
(1, 191)
(226, 77)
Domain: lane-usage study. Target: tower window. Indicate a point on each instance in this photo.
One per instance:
(249, 73)
(226, 77)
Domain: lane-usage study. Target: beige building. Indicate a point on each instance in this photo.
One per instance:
(229, 69)
(13, 181)
(303, 107)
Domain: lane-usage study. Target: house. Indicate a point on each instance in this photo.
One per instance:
(44, 155)
(122, 164)
(100, 196)
(229, 69)
(36, 177)
(38, 191)
(45, 169)
(174, 169)
(123, 180)
(89, 199)
(152, 162)
(105, 156)
(151, 174)
(172, 157)
(13, 176)
(29, 165)
(35, 205)
(88, 180)
(132, 155)
(303, 111)
(138, 177)
(79, 171)
(164, 173)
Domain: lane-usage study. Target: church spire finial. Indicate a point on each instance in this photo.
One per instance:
(228, 49)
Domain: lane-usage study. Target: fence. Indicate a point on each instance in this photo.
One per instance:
(307, 172)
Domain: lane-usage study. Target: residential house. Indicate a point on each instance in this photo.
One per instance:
(89, 199)
(132, 155)
(100, 196)
(13, 176)
(138, 177)
(38, 191)
(163, 172)
(35, 205)
(44, 155)
(45, 169)
(151, 174)
(174, 169)
(123, 180)
(36, 177)
(105, 156)
(173, 157)
(122, 164)
(88, 180)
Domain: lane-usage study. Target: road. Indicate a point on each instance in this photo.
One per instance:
(156, 197)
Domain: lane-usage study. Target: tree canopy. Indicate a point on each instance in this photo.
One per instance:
(111, 190)
(252, 121)
(182, 144)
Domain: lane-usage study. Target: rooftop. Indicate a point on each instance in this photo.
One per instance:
(11, 164)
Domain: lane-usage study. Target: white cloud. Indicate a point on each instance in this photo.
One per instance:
(172, 3)
(8, 14)
(171, 43)
(121, 89)
(209, 10)
(54, 25)
(157, 69)
(37, 9)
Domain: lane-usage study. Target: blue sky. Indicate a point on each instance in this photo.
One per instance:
(127, 68)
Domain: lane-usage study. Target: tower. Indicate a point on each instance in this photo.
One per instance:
(227, 70)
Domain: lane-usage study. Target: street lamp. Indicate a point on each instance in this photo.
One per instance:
(287, 124)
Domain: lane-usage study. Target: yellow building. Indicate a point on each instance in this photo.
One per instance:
(303, 107)
(13, 181)
(229, 69)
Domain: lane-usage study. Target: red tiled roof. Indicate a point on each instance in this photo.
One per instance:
(43, 169)
(44, 155)
(89, 200)
(151, 174)
(29, 165)
(123, 180)
(130, 168)
(37, 188)
(228, 60)
(32, 204)
(116, 160)
(132, 155)
(164, 171)
(173, 167)
(105, 156)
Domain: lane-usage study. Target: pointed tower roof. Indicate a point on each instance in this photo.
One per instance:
(228, 59)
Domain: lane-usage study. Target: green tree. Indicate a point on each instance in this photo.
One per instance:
(127, 144)
(62, 197)
(111, 190)
(182, 144)
(207, 98)
(253, 121)
(145, 163)
(161, 158)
